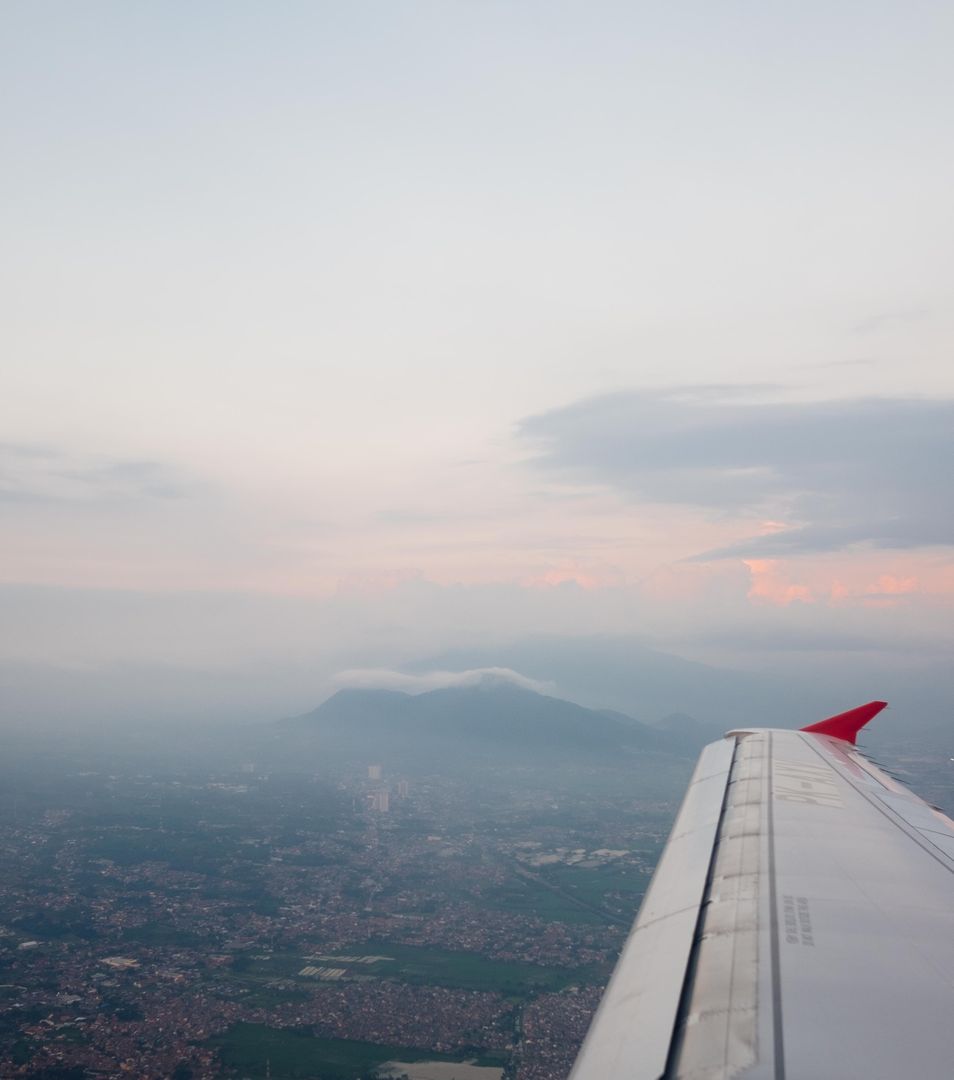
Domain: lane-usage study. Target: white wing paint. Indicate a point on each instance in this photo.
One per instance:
(800, 925)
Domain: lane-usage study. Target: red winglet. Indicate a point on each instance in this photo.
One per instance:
(846, 725)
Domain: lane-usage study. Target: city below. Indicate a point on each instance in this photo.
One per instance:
(285, 902)
(343, 923)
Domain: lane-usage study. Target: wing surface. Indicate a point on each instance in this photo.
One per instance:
(800, 924)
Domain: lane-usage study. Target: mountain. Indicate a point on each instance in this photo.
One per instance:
(688, 733)
(498, 721)
(625, 674)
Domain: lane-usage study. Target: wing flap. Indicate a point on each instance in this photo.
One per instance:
(631, 1034)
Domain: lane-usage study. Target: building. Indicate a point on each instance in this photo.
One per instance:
(379, 801)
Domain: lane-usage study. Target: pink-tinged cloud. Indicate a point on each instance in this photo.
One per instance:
(589, 577)
(863, 579)
(770, 584)
(371, 582)
(838, 593)
(695, 583)
(889, 591)
(889, 585)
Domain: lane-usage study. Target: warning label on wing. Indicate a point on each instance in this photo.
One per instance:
(794, 781)
(797, 921)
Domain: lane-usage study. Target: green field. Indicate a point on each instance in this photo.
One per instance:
(291, 1054)
(468, 971)
(520, 896)
(157, 933)
(591, 884)
(427, 967)
(574, 894)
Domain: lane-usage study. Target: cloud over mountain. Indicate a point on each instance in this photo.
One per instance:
(386, 679)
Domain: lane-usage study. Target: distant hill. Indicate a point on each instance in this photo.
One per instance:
(688, 733)
(625, 674)
(499, 721)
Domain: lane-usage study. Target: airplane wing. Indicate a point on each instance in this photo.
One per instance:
(800, 924)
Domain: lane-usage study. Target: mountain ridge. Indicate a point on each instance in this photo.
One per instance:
(491, 718)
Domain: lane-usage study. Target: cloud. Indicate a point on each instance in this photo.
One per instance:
(769, 636)
(894, 317)
(385, 679)
(571, 572)
(36, 474)
(771, 585)
(841, 473)
(95, 654)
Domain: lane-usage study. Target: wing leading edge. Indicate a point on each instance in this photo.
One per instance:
(800, 923)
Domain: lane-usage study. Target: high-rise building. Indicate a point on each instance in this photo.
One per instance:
(379, 801)
(374, 772)
(403, 789)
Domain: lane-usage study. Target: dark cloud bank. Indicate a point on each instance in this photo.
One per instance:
(870, 471)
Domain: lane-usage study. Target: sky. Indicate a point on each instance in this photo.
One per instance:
(336, 334)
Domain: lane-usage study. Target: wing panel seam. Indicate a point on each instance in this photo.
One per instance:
(909, 830)
(778, 1038)
(685, 995)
